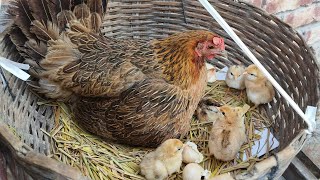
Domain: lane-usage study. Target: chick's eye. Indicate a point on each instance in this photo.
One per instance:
(252, 74)
(231, 74)
(223, 113)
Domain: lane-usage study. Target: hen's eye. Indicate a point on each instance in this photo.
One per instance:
(179, 149)
(210, 47)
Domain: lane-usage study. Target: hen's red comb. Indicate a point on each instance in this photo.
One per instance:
(217, 41)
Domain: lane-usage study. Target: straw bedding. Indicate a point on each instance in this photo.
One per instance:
(99, 159)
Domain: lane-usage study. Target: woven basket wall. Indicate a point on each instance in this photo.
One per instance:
(277, 46)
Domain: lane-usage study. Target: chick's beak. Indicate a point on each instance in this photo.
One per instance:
(245, 73)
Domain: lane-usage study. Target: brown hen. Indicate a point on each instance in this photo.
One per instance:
(129, 91)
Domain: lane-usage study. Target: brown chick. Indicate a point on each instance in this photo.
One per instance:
(129, 91)
(164, 161)
(227, 133)
(235, 77)
(207, 110)
(259, 89)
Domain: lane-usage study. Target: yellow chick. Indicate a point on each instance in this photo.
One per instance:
(227, 133)
(206, 110)
(235, 78)
(259, 89)
(164, 161)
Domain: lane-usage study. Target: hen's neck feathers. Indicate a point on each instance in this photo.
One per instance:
(176, 54)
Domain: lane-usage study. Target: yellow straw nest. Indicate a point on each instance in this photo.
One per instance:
(99, 159)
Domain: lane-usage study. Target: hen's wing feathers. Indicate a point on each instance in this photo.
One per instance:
(88, 66)
(150, 103)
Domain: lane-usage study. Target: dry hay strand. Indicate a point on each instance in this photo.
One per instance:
(99, 159)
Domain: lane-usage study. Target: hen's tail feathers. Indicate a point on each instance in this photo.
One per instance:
(31, 24)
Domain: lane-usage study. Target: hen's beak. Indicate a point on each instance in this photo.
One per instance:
(223, 53)
(219, 53)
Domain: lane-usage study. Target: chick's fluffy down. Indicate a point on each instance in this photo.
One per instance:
(227, 134)
(164, 161)
(152, 168)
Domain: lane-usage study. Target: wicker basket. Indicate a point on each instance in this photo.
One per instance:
(277, 46)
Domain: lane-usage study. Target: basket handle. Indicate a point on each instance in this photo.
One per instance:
(246, 50)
